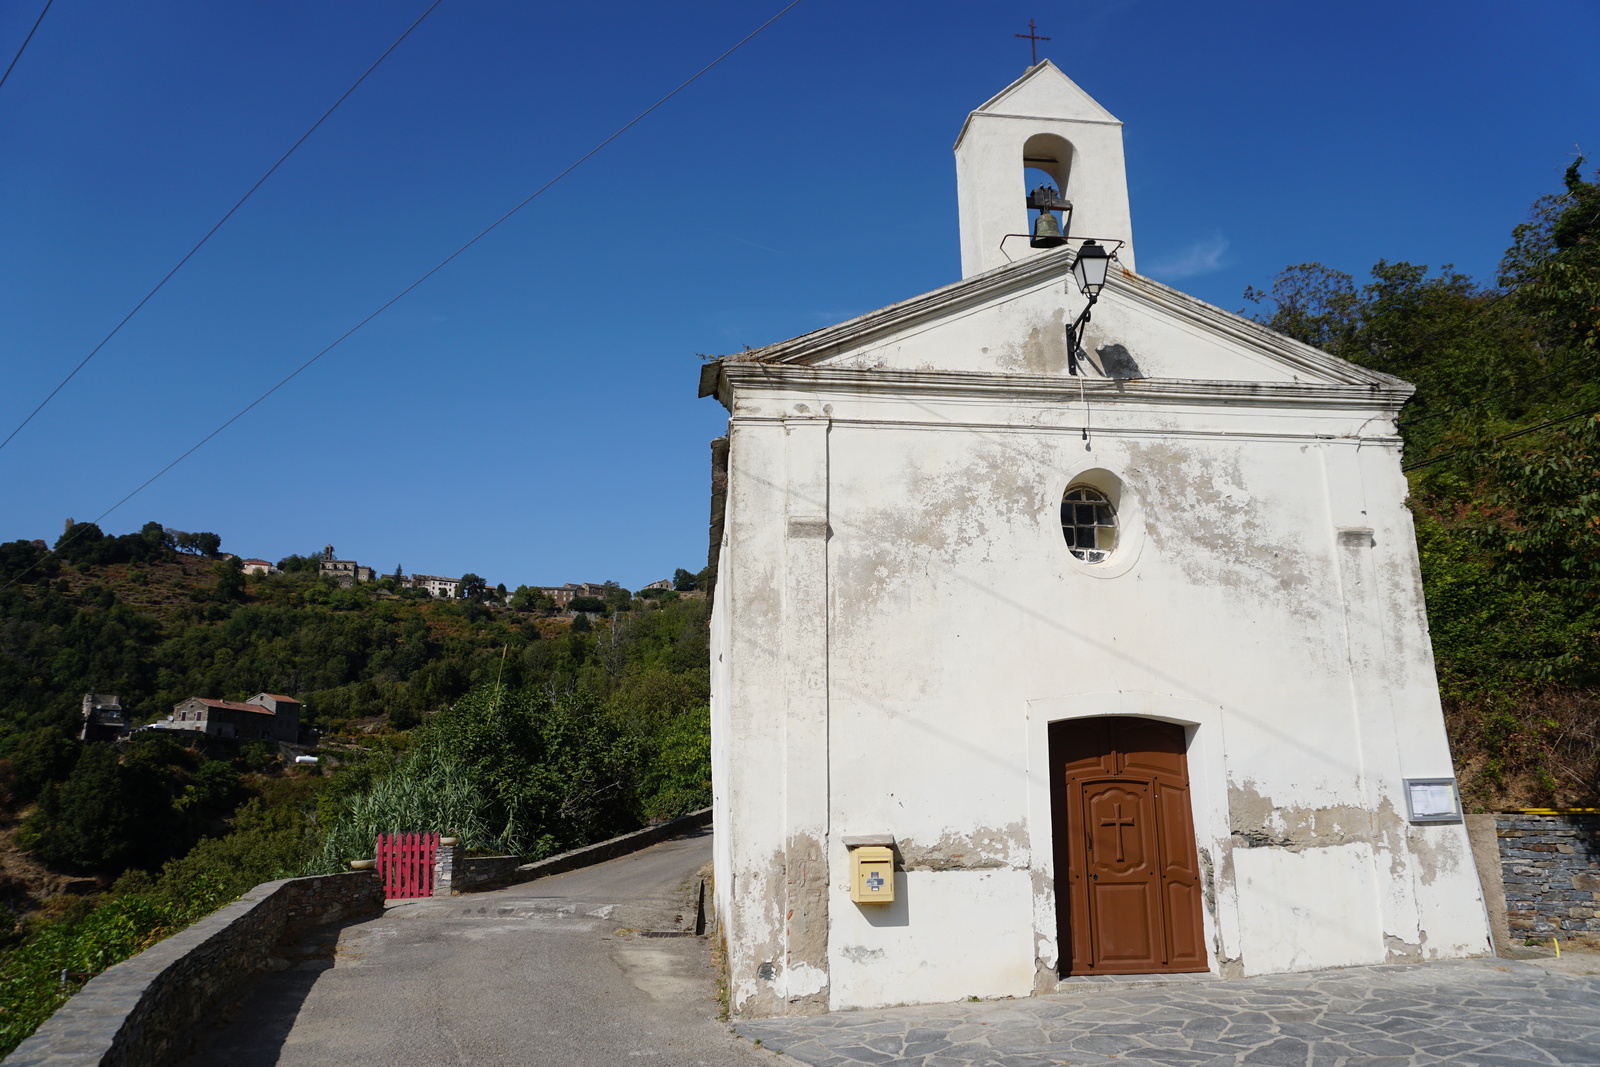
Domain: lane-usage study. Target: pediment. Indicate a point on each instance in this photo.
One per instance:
(1012, 321)
(1043, 92)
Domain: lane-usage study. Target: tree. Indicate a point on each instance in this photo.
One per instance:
(591, 604)
(157, 536)
(471, 587)
(682, 580)
(79, 541)
(91, 821)
(230, 580)
(42, 756)
(616, 598)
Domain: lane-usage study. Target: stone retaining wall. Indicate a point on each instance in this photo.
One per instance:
(1550, 865)
(454, 873)
(144, 1011)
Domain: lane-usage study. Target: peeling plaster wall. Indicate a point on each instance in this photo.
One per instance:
(901, 620)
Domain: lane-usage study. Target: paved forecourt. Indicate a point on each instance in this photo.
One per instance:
(1463, 1013)
(593, 967)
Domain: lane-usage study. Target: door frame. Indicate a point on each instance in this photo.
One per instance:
(1203, 732)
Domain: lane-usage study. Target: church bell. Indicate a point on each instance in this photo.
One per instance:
(1046, 230)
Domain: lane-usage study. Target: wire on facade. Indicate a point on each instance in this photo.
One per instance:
(209, 233)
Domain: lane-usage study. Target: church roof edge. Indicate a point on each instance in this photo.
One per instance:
(1042, 270)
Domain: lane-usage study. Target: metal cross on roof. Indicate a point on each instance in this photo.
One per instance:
(1033, 41)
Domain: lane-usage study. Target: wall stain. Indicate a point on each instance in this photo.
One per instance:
(1399, 950)
(1043, 351)
(806, 925)
(984, 849)
(1202, 517)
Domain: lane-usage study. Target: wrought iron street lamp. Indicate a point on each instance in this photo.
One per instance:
(1089, 270)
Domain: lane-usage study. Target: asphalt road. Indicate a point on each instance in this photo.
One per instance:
(558, 971)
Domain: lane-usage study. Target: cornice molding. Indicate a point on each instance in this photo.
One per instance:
(771, 377)
(1071, 428)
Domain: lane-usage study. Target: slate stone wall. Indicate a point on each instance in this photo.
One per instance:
(1551, 868)
(481, 872)
(145, 1010)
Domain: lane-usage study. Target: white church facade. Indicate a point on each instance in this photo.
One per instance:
(1124, 670)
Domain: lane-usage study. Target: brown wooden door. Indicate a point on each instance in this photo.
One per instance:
(1127, 875)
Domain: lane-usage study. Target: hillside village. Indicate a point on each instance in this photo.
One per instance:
(276, 718)
(348, 572)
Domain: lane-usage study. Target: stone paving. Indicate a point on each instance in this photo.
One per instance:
(1464, 1012)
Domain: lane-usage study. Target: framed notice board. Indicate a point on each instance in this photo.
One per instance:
(1432, 800)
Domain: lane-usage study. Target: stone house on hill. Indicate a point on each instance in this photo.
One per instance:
(103, 718)
(566, 594)
(264, 717)
(1037, 653)
(346, 572)
(436, 585)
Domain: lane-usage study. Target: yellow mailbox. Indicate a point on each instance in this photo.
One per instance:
(872, 874)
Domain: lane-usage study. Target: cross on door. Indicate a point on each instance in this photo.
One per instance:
(1117, 821)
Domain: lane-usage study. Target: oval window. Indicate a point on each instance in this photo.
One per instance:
(1089, 523)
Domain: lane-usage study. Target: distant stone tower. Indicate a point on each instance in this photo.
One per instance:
(327, 552)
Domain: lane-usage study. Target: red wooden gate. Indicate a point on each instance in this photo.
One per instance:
(405, 861)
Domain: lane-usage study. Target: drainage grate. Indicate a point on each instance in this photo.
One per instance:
(666, 933)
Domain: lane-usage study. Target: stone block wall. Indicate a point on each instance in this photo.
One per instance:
(482, 872)
(145, 1010)
(454, 872)
(1550, 865)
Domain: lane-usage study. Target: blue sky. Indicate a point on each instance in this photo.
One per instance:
(529, 413)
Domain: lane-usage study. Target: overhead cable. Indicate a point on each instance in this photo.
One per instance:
(24, 47)
(1503, 437)
(430, 273)
(1553, 376)
(201, 243)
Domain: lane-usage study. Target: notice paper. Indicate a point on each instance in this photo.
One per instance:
(1432, 798)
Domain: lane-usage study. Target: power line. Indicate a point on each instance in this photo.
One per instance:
(1553, 376)
(25, 41)
(237, 205)
(1503, 437)
(430, 273)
